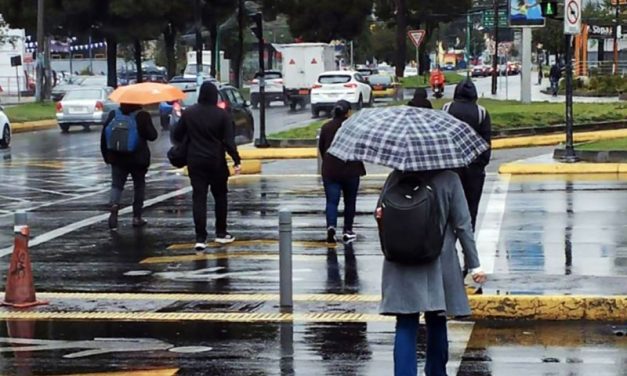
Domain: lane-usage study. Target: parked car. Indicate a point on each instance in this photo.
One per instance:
(230, 99)
(165, 108)
(85, 106)
(410, 71)
(5, 126)
(383, 85)
(480, 71)
(332, 86)
(274, 92)
(367, 72)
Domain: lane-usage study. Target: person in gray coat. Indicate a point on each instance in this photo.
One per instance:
(435, 288)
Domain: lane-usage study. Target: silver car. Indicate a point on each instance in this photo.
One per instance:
(84, 106)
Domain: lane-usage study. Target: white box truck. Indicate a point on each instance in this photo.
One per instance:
(225, 66)
(302, 63)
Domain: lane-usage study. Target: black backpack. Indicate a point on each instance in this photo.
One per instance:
(408, 218)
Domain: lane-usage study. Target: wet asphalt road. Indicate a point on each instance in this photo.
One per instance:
(537, 235)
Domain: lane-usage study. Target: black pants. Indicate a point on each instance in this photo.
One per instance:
(202, 178)
(473, 179)
(119, 175)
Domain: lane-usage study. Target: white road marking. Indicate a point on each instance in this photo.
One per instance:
(93, 220)
(489, 232)
(38, 190)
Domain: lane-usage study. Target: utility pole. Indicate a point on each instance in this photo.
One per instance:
(569, 156)
(197, 23)
(258, 30)
(495, 58)
(468, 50)
(616, 27)
(39, 88)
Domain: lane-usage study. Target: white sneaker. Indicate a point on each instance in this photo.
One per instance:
(200, 246)
(225, 239)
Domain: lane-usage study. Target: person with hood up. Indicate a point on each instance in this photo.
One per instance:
(135, 164)
(465, 108)
(209, 133)
(339, 177)
(420, 99)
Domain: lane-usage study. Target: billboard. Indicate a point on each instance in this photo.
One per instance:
(525, 13)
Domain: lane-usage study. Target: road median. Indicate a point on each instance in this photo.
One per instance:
(33, 126)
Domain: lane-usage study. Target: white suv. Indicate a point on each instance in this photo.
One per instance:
(333, 86)
(5, 130)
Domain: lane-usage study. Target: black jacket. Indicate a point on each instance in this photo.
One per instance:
(140, 159)
(209, 130)
(420, 99)
(334, 168)
(465, 108)
(555, 73)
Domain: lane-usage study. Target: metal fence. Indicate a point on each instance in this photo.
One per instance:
(9, 85)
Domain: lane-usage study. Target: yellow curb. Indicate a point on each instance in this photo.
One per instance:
(554, 139)
(249, 167)
(279, 153)
(517, 168)
(598, 308)
(33, 126)
(154, 372)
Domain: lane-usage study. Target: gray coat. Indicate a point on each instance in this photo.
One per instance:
(439, 285)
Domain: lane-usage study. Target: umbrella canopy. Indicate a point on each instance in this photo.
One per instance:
(146, 93)
(407, 139)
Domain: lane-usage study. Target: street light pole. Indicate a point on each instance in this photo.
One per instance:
(495, 68)
(197, 23)
(258, 30)
(616, 25)
(569, 155)
(39, 88)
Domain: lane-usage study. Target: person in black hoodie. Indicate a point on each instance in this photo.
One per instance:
(420, 99)
(124, 164)
(210, 133)
(465, 108)
(339, 177)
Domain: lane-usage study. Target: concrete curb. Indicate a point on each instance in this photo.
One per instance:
(33, 126)
(276, 153)
(548, 140)
(530, 307)
(249, 167)
(517, 168)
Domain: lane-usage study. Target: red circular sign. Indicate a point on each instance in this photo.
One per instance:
(573, 12)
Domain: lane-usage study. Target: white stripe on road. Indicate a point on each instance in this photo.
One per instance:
(489, 232)
(93, 220)
(38, 190)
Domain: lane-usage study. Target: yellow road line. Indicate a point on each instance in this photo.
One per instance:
(153, 372)
(207, 297)
(228, 256)
(190, 316)
(248, 243)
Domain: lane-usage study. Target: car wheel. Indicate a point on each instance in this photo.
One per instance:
(371, 101)
(86, 128)
(5, 142)
(315, 113)
(65, 128)
(293, 106)
(360, 103)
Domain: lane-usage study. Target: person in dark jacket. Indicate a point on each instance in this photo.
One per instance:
(554, 76)
(465, 108)
(339, 177)
(210, 133)
(124, 164)
(420, 99)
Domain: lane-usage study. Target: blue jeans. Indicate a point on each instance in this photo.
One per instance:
(405, 360)
(333, 190)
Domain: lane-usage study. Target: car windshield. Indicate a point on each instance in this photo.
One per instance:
(95, 81)
(191, 97)
(83, 94)
(183, 85)
(334, 79)
(191, 69)
(380, 80)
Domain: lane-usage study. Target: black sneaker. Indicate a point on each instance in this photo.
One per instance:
(331, 235)
(224, 238)
(349, 236)
(139, 222)
(113, 217)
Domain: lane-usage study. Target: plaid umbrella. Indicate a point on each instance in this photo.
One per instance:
(407, 139)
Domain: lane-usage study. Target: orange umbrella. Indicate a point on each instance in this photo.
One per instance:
(146, 93)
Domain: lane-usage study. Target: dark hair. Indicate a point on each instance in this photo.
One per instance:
(341, 109)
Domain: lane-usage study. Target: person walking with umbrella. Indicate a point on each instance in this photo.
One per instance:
(209, 132)
(339, 177)
(423, 147)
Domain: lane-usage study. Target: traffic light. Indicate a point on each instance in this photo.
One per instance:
(549, 9)
(257, 27)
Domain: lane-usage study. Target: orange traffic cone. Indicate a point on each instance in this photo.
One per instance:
(20, 290)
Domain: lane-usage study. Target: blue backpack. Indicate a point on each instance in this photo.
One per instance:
(121, 133)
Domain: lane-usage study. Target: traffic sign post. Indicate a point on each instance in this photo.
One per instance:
(417, 37)
(572, 26)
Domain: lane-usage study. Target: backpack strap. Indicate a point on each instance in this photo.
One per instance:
(482, 114)
(447, 107)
